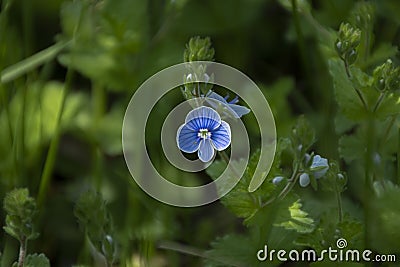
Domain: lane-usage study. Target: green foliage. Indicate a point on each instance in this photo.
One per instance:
(199, 49)
(385, 212)
(303, 136)
(348, 40)
(95, 220)
(346, 97)
(296, 219)
(106, 38)
(290, 48)
(21, 210)
(387, 77)
(36, 260)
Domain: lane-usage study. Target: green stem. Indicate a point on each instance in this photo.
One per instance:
(99, 106)
(52, 153)
(359, 94)
(289, 186)
(388, 129)
(340, 207)
(21, 149)
(5, 104)
(22, 251)
(379, 101)
(368, 191)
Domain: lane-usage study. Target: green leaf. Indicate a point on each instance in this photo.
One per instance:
(36, 260)
(106, 42)
(296, 219)
(348, 101)
(328, 230)
(41, 113)
(20, 209)
(94, 218)
(389, 106)
(232, 250)
(239, 200)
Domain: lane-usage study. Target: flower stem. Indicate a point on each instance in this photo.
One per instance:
(22, 251)
(99, 106)
(379, 101)
(340, 207)
(359, 94)
(289, 186)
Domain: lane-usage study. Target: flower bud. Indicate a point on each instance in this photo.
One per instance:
(199, 49)
(348, 40)
(277, 180)
(304, 179)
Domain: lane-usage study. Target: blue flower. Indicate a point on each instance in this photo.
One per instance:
(229, 108)
(319, 166)
(203, 131)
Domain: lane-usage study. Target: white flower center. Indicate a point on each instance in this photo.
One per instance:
(204, 133)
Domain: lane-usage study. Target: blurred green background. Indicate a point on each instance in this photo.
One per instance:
(110, 48)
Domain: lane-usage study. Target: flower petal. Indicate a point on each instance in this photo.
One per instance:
(239, 110)
(216, 96)
(203, 118)
(206, 150)
(221, 137)
(187, 139)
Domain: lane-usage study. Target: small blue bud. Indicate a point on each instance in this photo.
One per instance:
(304, 180)
(277, 179)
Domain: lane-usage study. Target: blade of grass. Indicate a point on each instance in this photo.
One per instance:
(52, 153)
(14, 71)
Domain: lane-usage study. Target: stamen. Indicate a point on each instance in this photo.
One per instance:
(204, 133)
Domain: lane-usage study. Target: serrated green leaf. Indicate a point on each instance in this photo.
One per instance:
(20, 209)
(328, 230)
(36, 260)
(348, 101)
(239, 200)
(94, 218)
(296, 220)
